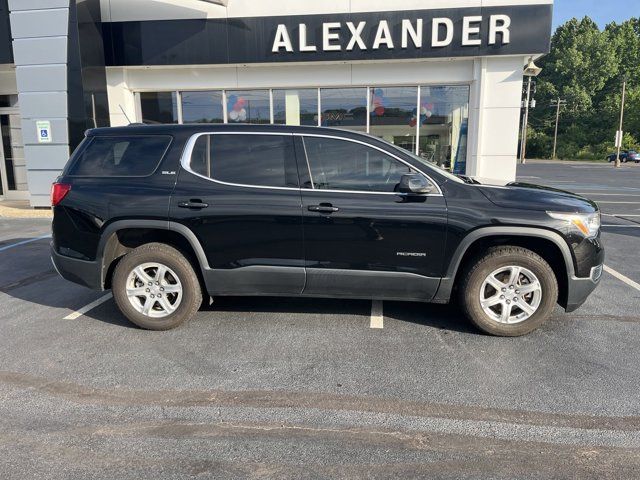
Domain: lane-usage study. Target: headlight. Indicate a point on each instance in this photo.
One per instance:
(587, 223)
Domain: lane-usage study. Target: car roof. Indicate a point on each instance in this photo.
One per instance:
(170, 129)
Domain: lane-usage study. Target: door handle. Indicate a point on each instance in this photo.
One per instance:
(323, 208)
(193, 204)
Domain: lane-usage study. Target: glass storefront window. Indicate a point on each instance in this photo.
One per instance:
(392, 113)
(248, 106)
(202, 107)
(443, 124)
(344, 108)
(295, 107)
(159, 107)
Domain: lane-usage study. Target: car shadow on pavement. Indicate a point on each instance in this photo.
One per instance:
(443, 317)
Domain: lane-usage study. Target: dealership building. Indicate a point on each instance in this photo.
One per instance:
(441, 78)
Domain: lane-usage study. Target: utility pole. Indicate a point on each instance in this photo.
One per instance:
(523, 144)
(558, 103)
(620, 134)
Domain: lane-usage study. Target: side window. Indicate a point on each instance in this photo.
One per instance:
(252, 160)
(125, 156)
(343, 165)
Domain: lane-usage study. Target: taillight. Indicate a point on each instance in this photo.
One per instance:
(58, 192)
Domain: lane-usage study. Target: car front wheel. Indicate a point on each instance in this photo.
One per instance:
(509, 291)
(155, 287)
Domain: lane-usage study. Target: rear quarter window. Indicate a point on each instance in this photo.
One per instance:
(121, 156)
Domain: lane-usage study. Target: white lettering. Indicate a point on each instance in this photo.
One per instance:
(503, 28)
(304, 47)
(282, 40)
(435, 33)
(328, 36)
(468, 30)
(414, 33)
(356, 35)
(383, 35)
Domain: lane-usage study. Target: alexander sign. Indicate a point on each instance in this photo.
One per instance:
(432, 33)
(408, 33)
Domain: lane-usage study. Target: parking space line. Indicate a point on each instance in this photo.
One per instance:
(24, 242)
(620, 203)
(619, 215)
(621, 226)
(86, 308)
(610, 194)
(622, 278)
(377, 318)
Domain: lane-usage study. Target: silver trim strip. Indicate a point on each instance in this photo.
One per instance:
(185, 162)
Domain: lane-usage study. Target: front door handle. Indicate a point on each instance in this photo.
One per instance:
(323, 208)
(193, 204)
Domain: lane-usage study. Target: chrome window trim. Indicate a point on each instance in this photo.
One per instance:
(185, 163)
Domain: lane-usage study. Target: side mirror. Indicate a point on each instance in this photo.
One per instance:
(415, 183)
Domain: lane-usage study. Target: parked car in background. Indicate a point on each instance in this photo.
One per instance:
(164, 215)
(625, 156)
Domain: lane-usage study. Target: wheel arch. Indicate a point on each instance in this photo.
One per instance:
(549, 245)
(122, 236)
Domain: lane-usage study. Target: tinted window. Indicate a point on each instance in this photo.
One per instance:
(262, 160)
(121, 156)
(344, 165)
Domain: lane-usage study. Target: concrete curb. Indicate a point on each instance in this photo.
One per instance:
(10, 212)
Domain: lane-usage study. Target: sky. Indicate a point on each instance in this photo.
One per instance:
(601, 11)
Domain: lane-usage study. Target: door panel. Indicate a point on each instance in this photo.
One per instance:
(252, 236)
(371, 244)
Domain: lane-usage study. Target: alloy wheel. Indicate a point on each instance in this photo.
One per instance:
(510, 294)
(154, 290)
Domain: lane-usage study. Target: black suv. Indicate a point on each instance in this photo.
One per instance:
(162, 214)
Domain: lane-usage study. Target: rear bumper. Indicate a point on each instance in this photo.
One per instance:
(78, 271)
(579, 289)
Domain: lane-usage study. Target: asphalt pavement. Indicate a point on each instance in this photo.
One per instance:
(305, 388)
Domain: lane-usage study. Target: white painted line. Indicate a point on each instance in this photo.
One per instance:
(626, 203)
(622, 278)
(24, 242)
(622, 226)
(86, 308)
(611, 194)
(619, 215)
(377, 319)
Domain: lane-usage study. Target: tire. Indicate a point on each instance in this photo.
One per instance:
(475, 285)
(177, 294)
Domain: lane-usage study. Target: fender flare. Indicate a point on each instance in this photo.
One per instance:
(447, 283)
(179, 228)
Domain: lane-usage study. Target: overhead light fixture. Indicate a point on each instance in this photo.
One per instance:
(532, 70)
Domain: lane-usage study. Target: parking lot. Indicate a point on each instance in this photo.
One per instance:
(313, 388)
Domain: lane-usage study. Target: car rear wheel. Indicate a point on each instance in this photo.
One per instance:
(156, 288)
(508, 291)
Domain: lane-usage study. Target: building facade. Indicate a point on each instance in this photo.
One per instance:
(441, 78)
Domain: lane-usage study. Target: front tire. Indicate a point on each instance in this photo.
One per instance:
(509, 291)
(155, 287)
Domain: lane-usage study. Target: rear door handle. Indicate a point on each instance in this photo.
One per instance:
(193, 204)
(323, 208)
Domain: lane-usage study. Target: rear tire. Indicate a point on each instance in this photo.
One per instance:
(508, 291)
(155, 287)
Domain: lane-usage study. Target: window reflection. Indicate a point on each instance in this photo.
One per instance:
(443, 120)
(344, 108)
(392, 115)
(202, 107)
(295, 107)
(248, 106)
(159, 107)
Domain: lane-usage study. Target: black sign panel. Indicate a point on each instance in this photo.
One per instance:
(454, 32)
(6, 48)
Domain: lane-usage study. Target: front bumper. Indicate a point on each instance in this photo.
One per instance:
(579, 289)
(78, 271)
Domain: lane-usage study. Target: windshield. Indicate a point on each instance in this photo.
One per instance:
(431, 165)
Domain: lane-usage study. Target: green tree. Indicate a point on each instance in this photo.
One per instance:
(585, 67)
